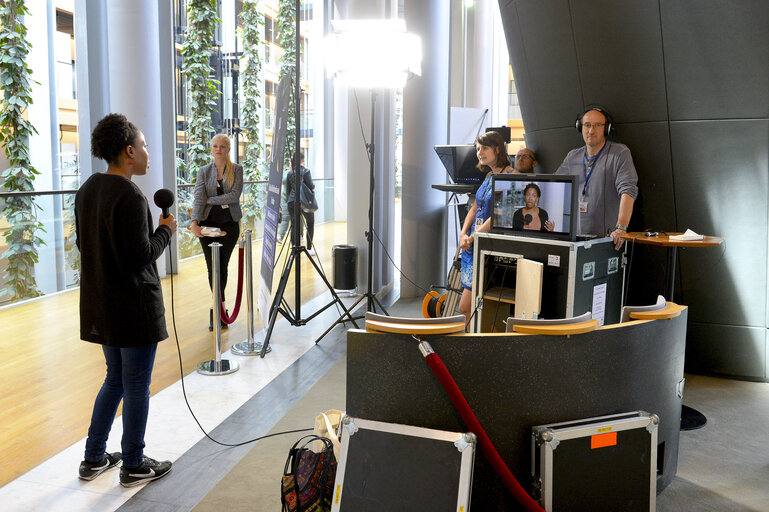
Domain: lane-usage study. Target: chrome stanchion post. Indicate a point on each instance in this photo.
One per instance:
(217, 366)
(249, 347)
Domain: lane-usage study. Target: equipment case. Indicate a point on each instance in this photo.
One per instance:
(605, 463)
(577, 277)
(386, 466)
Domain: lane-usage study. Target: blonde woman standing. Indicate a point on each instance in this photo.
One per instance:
(217, 205)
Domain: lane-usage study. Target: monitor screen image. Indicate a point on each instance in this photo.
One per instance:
(461, 163)
(538, 205)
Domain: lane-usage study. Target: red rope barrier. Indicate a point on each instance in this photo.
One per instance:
(491, 454)
(223, 313)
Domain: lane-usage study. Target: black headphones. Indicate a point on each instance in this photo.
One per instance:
(608, 129)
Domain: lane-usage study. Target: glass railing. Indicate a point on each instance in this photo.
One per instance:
(252, 203)
(58, 260)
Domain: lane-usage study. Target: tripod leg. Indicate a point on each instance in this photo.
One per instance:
(341, 319)
(376, 301)
(333, 293)
(276, 304)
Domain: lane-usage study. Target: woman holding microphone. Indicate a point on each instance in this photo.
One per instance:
(121, 302)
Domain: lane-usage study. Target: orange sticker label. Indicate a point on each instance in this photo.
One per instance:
(603, 440)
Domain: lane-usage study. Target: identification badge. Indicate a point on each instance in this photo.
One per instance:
(478, 222)
(583, 207)
(225, 206)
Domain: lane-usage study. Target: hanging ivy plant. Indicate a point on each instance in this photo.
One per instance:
(287, 40)
(21, 211)
(250, 119)
(202, 90)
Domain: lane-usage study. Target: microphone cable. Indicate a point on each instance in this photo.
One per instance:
(184, 390)
(404, 276)
(499, 300)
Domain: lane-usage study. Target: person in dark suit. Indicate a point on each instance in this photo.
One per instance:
(121, 302)
(297, 160)
(217, 205)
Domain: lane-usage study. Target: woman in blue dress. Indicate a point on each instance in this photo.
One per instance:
(492, 159)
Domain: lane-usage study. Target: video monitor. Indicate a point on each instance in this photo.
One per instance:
(461, 163)
(536, 205)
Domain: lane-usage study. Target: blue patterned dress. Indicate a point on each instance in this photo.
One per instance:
(484, 201)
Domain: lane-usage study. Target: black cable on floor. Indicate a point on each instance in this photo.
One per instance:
(184, 390)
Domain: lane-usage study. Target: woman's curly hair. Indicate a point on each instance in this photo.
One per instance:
(111, 135)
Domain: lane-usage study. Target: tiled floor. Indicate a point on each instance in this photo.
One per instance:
(171, 431)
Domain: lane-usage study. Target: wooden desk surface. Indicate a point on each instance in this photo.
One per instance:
(558, 329)
(671, 310)
(665, 241)
(500, 294)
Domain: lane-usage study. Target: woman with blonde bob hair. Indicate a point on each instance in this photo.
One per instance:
(217, 205)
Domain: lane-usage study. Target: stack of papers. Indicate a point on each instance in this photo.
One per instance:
(210, 231)
(689, 235)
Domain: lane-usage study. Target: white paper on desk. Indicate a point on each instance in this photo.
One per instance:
(688, 235)
(599, 302)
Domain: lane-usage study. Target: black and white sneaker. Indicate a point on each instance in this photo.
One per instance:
(149, 470)
(90, 470)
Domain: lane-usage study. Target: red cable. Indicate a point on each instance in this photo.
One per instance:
(230, 319)
(491, 454)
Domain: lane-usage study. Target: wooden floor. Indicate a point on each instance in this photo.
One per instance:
(49, 377)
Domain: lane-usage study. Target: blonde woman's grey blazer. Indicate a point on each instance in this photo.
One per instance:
(205, 193)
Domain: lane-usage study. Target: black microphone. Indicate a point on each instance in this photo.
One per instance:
(164, 199)
(526, 218)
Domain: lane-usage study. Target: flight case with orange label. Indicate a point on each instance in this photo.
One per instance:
(603, 463)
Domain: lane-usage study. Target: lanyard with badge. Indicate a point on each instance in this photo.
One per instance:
(588, 173)
(486, 193)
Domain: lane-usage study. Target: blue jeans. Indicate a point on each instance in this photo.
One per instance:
(129, 372)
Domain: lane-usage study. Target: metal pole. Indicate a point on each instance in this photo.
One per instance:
(297, 150)
(249, 347)
(217, 366)
(370, 234)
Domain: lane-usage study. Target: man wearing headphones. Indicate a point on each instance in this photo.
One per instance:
(607, 177)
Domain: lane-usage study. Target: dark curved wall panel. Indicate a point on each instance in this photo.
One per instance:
(688, 85)
(717, 56)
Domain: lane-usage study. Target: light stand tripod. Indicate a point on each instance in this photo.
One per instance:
(279, 304)
(373, 54)
(370, 296)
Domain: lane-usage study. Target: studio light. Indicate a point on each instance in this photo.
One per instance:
(372, 53)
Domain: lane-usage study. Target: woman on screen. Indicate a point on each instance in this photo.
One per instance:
(492, 159)
(531, 216)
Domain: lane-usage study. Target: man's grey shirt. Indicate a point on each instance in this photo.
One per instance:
(613, 175)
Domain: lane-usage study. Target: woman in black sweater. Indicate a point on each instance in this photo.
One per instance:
(531, 216)
(121, 302)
